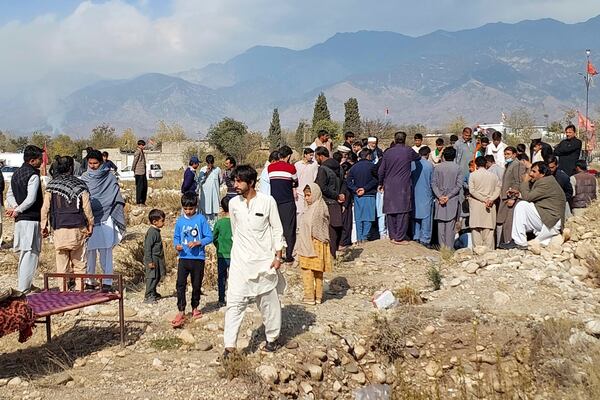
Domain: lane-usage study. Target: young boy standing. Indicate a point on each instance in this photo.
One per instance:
(192, 234)
(222, 241)
(154, 255)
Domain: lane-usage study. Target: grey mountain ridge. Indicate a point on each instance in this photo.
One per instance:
(477, 73)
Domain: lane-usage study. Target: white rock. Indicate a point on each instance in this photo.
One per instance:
(593, 327)
(267, 372)
(186, 336)
(378, 373)
(337, 386)
(433, 369)
(429, 330)
(359, 378)
(480, 250)
(537, 275)
(15, 381)
(471, 267)
(501, 298)
(359, 351)
(455, 282)
(306, 387)
(315, 371)
(157, 363)
(212, 327)
(579, 271)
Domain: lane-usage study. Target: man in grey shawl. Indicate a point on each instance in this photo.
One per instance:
(109, 216)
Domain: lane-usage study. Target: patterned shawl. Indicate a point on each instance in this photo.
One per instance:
(67, 186)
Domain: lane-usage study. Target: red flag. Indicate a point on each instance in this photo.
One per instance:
(591, 69)
(585, 123)
(44, 159)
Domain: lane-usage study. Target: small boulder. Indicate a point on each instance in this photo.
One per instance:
(186, 336)
(593, 327)
(315, 371)
(268, 373)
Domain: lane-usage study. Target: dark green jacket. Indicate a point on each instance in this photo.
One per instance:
(153, 252)
(549, 200)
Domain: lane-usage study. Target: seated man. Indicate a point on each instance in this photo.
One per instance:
(584, 188)
(541, 211)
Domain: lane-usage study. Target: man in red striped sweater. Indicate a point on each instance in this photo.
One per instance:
(283, 179)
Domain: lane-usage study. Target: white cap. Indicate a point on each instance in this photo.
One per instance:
(371, 139)
(343, 149)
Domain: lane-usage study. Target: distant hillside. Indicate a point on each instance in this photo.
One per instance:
(477, 73)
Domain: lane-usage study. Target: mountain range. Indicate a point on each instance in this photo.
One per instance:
(477, 73)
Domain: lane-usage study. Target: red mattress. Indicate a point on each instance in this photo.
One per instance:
(52, 302)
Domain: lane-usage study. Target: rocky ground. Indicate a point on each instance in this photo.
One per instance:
(503, 324)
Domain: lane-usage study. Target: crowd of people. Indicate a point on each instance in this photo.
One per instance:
(474, 191)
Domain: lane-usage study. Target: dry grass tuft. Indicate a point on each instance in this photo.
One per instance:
(435, 277)
(390, 333)
(408, 295)
(237, 365)
(459, 315)
(170, 343)
(572, 368)
(446, 254)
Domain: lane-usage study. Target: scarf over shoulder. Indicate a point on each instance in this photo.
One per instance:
(313, 223)
(105, 196)
(67, 186)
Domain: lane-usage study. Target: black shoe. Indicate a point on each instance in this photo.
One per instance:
(107, 289)
(270, 347)
(288, 260)
(511, 245)
(157, 296)
(227, 354)
(71, 285)
(90, 288)
(221, 304)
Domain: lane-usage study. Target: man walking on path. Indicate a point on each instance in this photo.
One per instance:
(25, 200)
(447, 183)
(484, 189)
(283, 180)
(395, 181)
(139, 170)
(255, 259)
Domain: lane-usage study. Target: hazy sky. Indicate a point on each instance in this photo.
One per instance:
(121, 38)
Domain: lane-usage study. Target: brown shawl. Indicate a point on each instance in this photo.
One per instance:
(313, 223)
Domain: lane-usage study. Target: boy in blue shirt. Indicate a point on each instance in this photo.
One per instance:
(192, 234)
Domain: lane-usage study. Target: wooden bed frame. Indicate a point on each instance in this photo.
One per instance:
(52, 301)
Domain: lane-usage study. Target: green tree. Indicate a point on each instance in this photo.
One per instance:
(39, 139)
(299, 137)
(522, 123)
(456, 126)
(321, 112)
(334, 128)
(6, 143)
(230, 137)
(19, 143)
(128, 140)
(274, 137)
(168, 133)
(62, 145)
(103, 136)
(352, 117)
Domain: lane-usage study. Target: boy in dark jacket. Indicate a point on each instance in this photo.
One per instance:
(154, 256)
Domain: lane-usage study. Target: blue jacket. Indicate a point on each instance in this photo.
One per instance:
(363, 174)
(193, 229)
(189, 181)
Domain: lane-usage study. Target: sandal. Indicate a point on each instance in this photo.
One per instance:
(178, 321)
(309, 302)
(196, 314)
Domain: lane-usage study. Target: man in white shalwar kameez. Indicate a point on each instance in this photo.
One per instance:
(255, 259)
